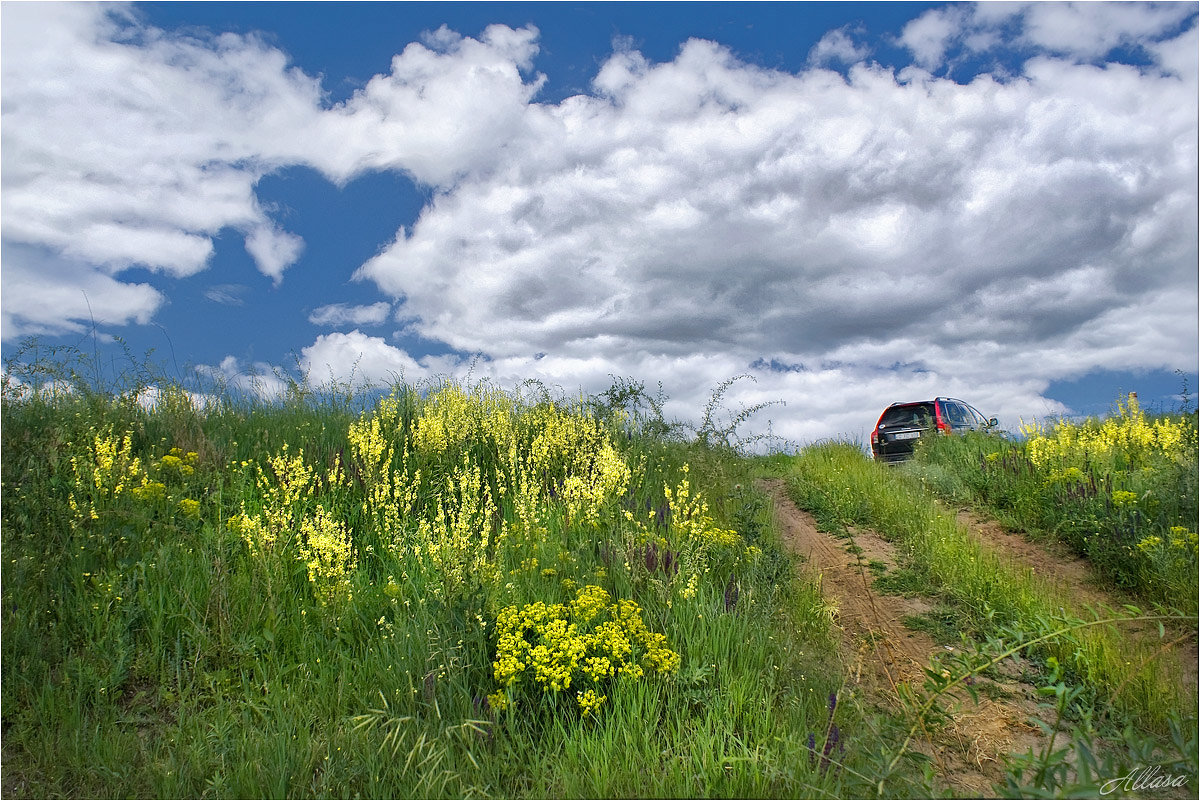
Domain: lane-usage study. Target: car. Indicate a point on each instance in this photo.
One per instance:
(902, 424)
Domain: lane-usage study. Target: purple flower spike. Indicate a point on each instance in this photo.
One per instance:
(831, 743)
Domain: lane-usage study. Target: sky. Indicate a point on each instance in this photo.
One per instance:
(850, 203)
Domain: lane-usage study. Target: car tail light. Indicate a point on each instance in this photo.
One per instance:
(942, 425)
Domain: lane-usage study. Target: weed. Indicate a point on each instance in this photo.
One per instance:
(212, 594)
(1121, 491)
(838, 483)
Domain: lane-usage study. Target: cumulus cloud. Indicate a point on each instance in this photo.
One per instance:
(931, 34)
(123, 147)
(1078, 31)
(127, 146)
(339, 314)
(48, 294)
(838, 47)
(260, 380)
(359, 360)
(710, 204)
(444, 110)
(992, 236)
(850, 239)
(1091, 30)
(273, 250)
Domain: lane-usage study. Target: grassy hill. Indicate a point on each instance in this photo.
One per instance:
(454, 591)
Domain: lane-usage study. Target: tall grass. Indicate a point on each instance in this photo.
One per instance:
(1121, 491)
(308, 598)
(842, 487)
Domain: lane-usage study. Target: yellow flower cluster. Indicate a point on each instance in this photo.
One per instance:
(572, 455)
(589, 603)
(326, 547)
(457, 541)
(174, 467)
(325, 543)
(1179, 539)
(377, 445)
(150, 490)
(693, 532)
(283, 489)
(1068, 475)
(178, 463)
(254, 532)
(107, 471)
(491, 469)
(1127, 434)
(690, 518)
(588, 640)
(589, 700)
(451, 416)
(1184, 539)
(1124, 498)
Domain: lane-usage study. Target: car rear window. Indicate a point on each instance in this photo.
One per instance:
(914, 414)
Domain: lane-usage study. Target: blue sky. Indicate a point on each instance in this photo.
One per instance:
(855, 203)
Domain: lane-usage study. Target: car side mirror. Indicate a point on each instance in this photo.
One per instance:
(993, 422)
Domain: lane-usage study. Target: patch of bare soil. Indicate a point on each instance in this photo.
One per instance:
(883, 654)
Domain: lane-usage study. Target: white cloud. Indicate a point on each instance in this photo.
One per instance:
(1079, 31)
(1090, 30)
(445, 110)
(901, 235)
(1180, 56)
(838, 46)
(273, 250)
(48, 294)
(123, 146)
(359, 360)
(705, 204)
(260, 380)
(227, 294)
(930, 35)
(339, 314)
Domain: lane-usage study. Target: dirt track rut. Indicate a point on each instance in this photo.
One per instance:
(881, 653)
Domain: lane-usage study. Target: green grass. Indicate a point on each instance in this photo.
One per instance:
(1123, 498)
(842, 487)
(150, 652)
(238, 621)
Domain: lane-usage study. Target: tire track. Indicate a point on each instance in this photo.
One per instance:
(881, 653)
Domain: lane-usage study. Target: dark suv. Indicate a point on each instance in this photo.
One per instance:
(902, 424)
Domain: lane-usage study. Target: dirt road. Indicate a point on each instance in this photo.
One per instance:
(882, 653)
